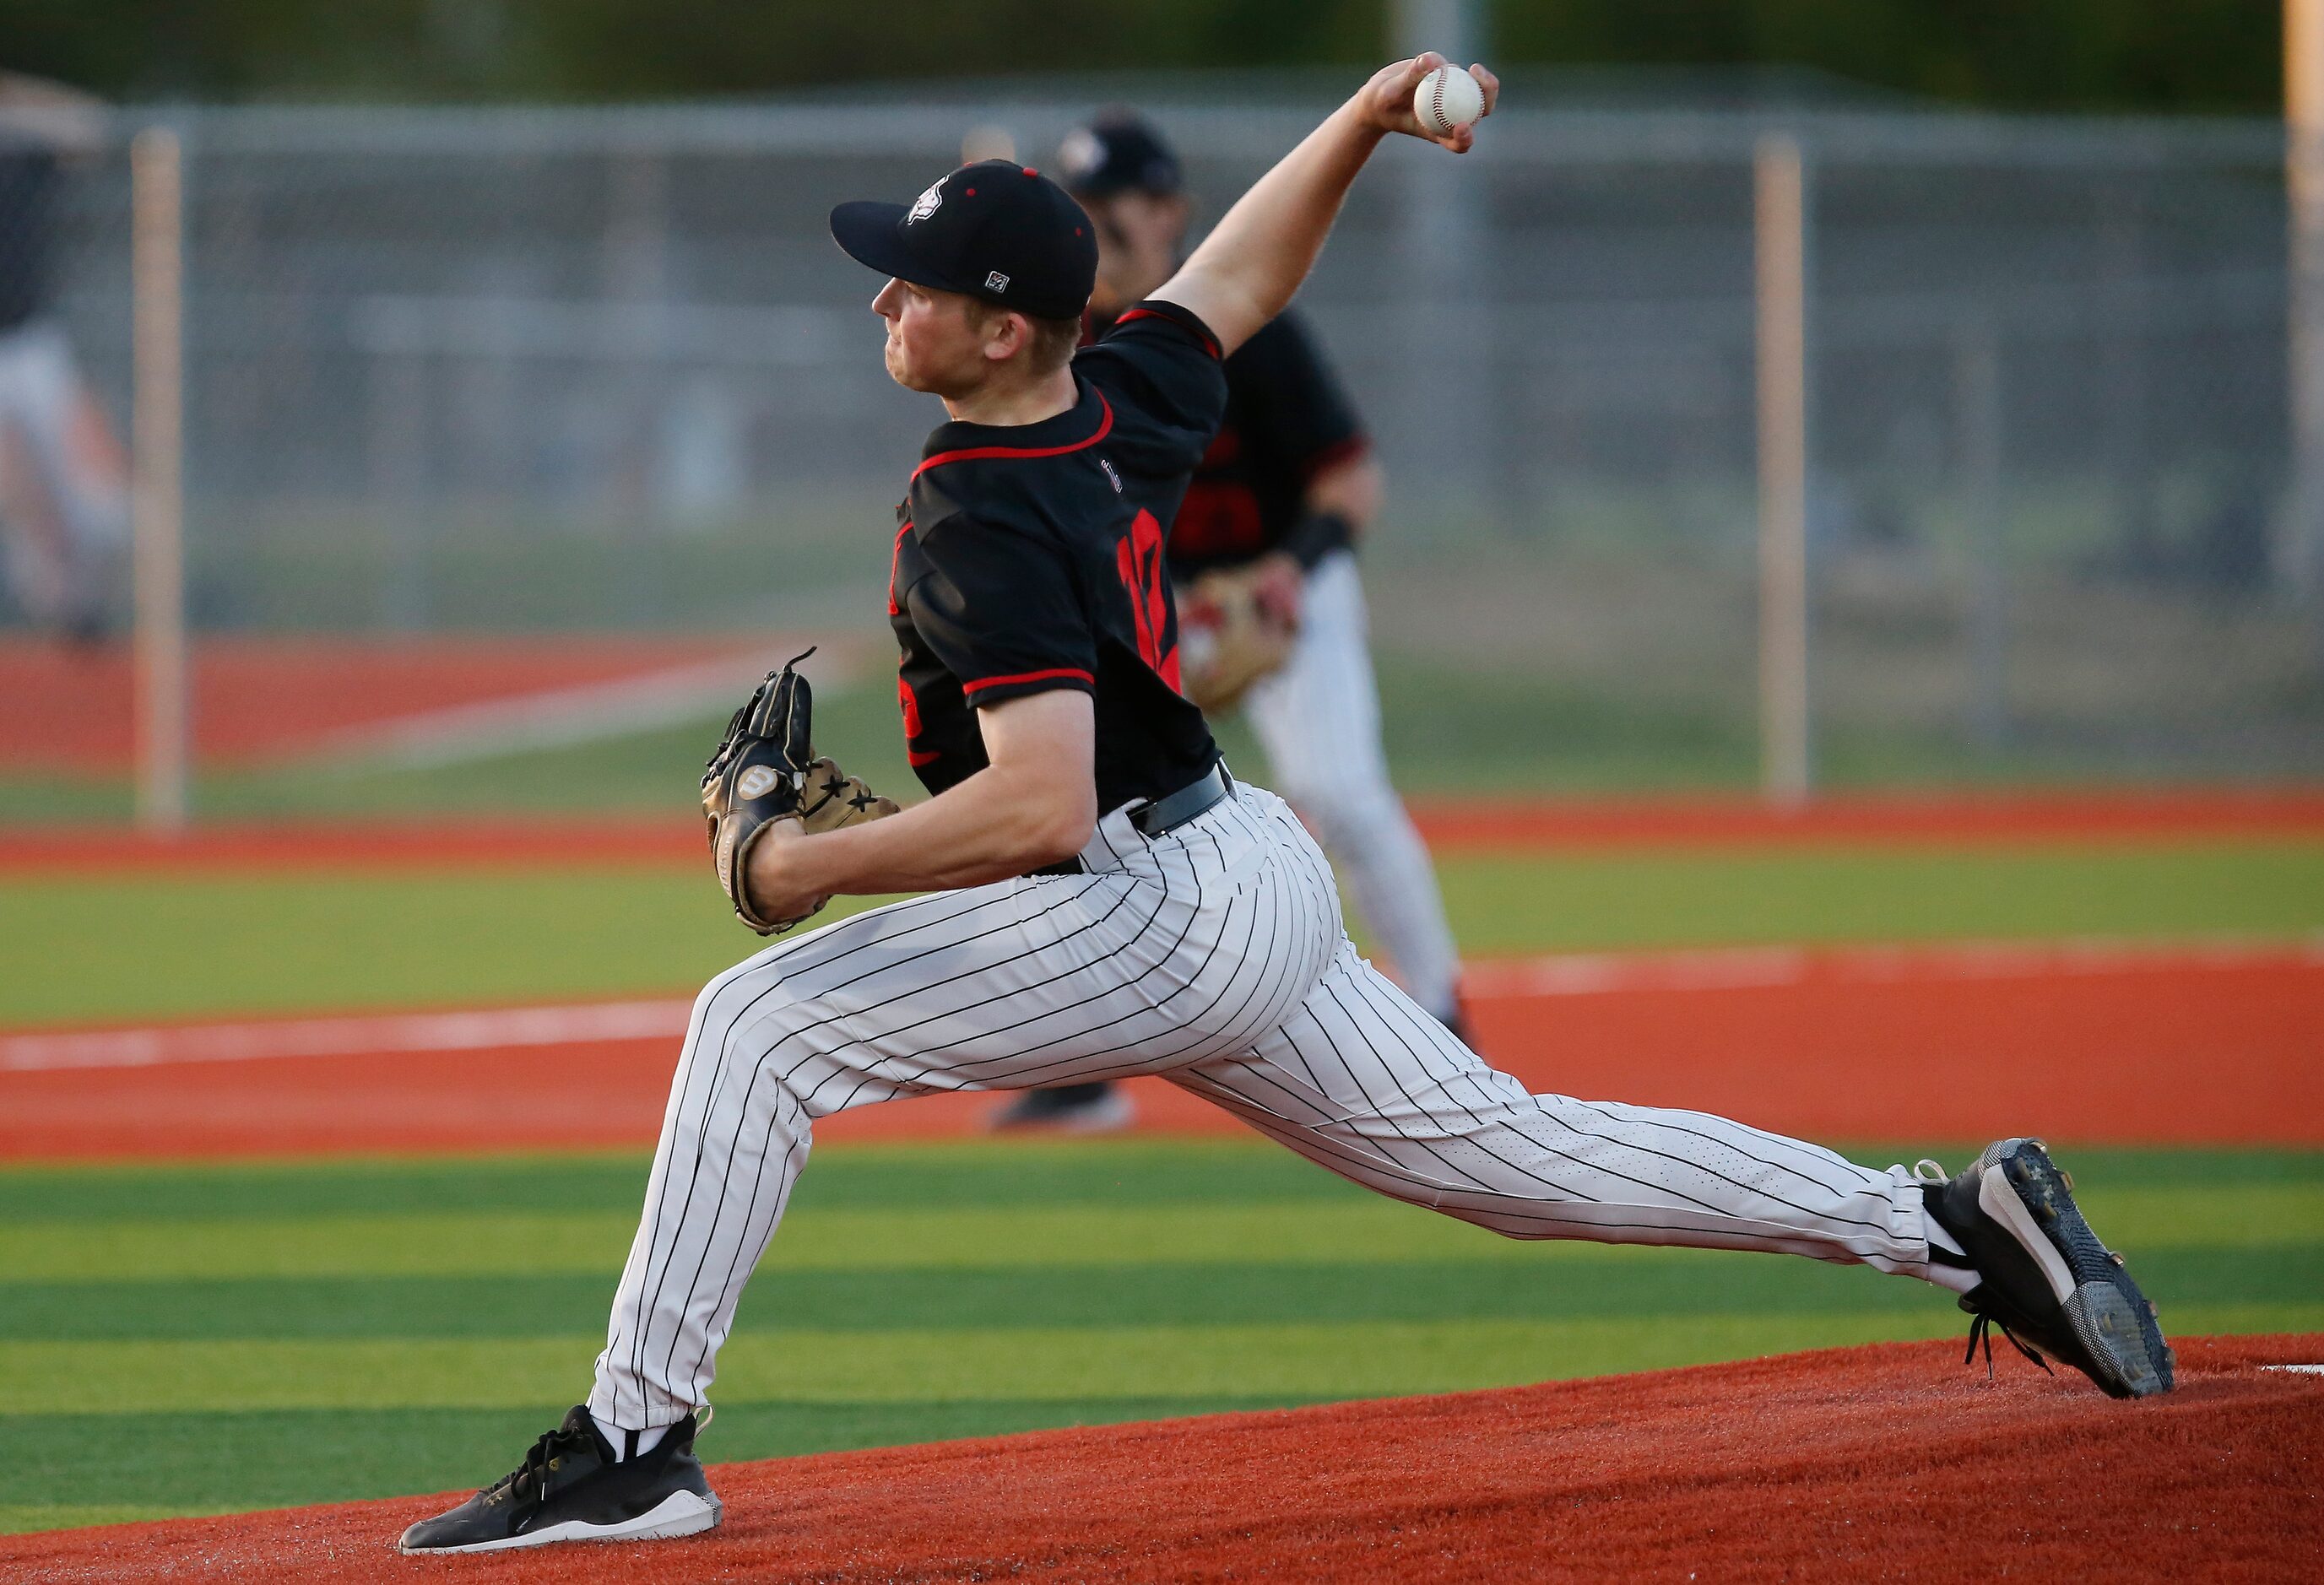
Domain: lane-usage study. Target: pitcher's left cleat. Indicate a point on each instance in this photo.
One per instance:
(2043, 1277)
(569, 1488)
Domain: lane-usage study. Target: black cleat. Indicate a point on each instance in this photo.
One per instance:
(569, 1488)
(2043, 1278)
(1075, 1109)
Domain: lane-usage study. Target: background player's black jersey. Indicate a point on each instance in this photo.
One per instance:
(1030, 556)
(30, 179)
(1287, 417)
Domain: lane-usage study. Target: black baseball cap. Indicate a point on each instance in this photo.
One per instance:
(1119, 151)
(995, 230)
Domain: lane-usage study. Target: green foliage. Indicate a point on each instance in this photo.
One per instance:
(2084, 54)
(2044, 54)
(629, 49)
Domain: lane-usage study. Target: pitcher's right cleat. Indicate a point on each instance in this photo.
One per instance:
(1101, 1108)
(2043, 1277)
(569, 1488)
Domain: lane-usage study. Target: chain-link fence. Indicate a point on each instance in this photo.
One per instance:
(454, 371)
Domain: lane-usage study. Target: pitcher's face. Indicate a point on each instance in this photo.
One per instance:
(935, 344)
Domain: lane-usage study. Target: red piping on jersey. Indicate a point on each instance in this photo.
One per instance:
(1208, 344)
(895, 558)
(1054, 671)
(983, 453)
(1348, 450)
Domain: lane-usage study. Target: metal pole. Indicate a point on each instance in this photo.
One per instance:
(1976, 424)
(157, 270)
(1786, 760)
(1447, 424)
(399, 471)
(2302, 545)
(1449, 27)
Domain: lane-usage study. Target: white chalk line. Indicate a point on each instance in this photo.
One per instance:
(376, 1035)
(1564, 974)
(1751, 967)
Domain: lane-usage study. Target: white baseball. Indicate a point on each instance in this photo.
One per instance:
(1447, 100)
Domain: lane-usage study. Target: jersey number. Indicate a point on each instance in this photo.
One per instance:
(1139, 559)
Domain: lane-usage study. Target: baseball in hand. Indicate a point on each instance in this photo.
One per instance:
(1447, 99)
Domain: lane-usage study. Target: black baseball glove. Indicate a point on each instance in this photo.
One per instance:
(763, 771)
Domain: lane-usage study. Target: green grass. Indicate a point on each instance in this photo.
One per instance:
(204, 945)
(1664, 898)
(188, 1339)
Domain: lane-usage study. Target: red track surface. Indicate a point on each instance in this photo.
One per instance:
(1887, 1462)
(2138, 1049)
(1461, 827)
(256, 698)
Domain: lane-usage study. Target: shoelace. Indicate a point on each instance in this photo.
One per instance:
(552, 1446)
(1980, 1330)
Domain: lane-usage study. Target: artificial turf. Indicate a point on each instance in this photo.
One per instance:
(198, 945)
(175, 1339)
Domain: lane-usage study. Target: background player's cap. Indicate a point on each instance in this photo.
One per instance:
(996, 230)
(1119, 151)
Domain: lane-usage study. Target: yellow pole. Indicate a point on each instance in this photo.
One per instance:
(157, 211)
(1781, 222)
(2302, 544)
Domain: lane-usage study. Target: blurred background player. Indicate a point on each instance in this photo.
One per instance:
(1271, 606)
(64, 477)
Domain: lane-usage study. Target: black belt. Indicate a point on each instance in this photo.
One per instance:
(1164, 815)
(1167, 814)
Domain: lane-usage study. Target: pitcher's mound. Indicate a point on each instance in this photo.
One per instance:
(1887, 1462)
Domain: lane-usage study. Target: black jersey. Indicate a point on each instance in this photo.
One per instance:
(1287, 417)
(30, 179)
(1031, 556)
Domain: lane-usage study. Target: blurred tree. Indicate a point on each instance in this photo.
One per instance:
(2218, 55)
(2061, 55)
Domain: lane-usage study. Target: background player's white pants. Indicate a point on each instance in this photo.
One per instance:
(1214, 957)
(63, 496)
(1318, 718)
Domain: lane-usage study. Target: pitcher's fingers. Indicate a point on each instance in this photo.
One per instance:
(1487, 84)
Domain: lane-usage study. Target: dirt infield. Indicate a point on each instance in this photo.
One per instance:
(1886, 1462)
(2047, 817)
(1487, 826)
(2088, 1047)
(255, 699)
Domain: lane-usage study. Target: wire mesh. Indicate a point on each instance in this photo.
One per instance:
(459, 373)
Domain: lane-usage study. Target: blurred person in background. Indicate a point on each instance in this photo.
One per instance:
(64, 476)
(1289, 486)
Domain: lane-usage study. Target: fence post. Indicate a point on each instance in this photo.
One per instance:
(1445, 281)
(1781, 224)
(157, 480)
(2301, 543)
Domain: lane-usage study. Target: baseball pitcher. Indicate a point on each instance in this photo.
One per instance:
(1101, 898)
(1270, 604)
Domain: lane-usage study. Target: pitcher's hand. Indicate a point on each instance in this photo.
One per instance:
(1387, 100)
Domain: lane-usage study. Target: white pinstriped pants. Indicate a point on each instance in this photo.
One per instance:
(1212, 956)
(1318, 718)
(62, 562)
